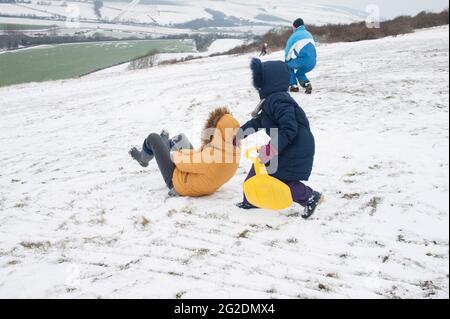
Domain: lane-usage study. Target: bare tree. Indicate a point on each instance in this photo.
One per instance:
(98, 4)
(144, 62)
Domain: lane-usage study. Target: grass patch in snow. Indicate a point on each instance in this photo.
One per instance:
(373, 204)
(39, 245)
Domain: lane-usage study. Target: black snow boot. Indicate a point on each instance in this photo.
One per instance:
(294, 89)
(245, 206)
(141, 156)
(173, 193)
(308, 88)
(315, 200)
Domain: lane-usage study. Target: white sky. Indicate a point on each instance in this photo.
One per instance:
(392, 8)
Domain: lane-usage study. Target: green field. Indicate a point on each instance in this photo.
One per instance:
(72, 60)
(20, 27)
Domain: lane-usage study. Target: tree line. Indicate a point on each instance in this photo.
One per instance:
(14, 39)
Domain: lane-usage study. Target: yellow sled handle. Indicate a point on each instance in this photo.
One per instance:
(260, 168)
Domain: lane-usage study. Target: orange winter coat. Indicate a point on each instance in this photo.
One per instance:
(202, 172)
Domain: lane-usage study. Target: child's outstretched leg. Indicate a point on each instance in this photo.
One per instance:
(159, 147)
(162, 155)
(306, 197)
(145, 156)
(176, 143)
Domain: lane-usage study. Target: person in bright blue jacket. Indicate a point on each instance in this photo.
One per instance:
(300, 56)
(289, 156)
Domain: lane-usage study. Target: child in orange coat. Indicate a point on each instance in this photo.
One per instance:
(195, 173)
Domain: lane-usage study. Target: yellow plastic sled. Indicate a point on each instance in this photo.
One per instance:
(265, 191)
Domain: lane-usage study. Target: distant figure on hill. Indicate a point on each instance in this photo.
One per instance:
(264, 50)
(301, 57)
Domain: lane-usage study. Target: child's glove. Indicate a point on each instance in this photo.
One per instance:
(267, 152)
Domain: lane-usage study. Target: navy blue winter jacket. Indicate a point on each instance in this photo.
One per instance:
(295, 145)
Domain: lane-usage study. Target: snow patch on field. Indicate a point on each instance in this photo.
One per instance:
(218, 46)
(223, 45)
(79, 219)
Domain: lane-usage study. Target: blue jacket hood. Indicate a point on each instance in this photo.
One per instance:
(270, 77)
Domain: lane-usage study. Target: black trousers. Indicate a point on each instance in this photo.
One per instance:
(161, 149)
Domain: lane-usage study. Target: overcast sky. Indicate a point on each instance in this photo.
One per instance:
(392, 8)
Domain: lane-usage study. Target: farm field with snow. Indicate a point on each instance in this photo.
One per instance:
(80, 219)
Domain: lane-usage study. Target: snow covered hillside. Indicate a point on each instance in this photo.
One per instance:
(148, 18)
(180, 11)
(78, 218)
(175, 16)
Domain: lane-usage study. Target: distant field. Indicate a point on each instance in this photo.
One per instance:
(72, 60)
(12, 26)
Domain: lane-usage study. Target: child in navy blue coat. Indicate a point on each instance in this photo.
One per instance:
(293, 148)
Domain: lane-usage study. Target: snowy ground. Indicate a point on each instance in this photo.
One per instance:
(79, 219)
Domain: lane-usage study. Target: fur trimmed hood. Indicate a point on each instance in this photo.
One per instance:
(270, 77)
(219, 119)
(202, 172)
